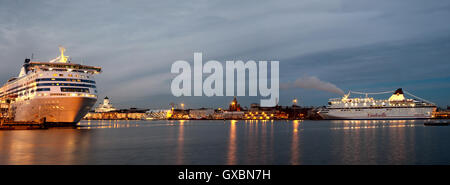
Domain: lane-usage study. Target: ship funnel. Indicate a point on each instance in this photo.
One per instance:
(399, 91)
(397, 96)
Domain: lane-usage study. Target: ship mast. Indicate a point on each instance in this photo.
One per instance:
(62, 58)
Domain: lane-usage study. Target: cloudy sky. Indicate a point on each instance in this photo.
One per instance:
(356, 45)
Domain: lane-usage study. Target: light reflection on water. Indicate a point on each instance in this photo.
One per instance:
(39, 146)
(230, 142)
(180, 142)
(295, 148)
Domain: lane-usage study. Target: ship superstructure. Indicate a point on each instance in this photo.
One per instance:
(57, 91)
(396, 107)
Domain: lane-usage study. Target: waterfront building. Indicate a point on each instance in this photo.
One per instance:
(233, 115)
(158, 114)
(442, 113)
(234, 105)
(106, 106)
(179, 114)
(121, 114)
(202, 113)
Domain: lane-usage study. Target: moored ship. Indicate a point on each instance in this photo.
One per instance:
(58, 92)
(396, 107)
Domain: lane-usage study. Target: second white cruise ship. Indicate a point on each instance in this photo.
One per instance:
(57, 92)
(396, 107)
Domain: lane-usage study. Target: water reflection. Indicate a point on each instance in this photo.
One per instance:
(264, 138)
(370, 124)
(251, 141)
(230, 142)
(397, 145)
(231, 157)
(295, 148)
(351, 145)
(54, 146)
(180, 143)
(88, 124)
(373, 141)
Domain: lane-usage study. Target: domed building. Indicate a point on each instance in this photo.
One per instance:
(234, 105)
(106, 106)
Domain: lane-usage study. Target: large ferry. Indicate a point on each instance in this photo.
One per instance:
(57, 91)
(396, 107)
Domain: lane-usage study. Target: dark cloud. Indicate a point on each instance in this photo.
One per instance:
(360, 45)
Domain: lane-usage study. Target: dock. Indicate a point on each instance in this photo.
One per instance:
(6, 124)
(436, 123)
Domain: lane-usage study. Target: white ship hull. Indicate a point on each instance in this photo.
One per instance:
(55, 110)
(378, 113)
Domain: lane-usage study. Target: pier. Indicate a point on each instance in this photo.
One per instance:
(8, 124)
(442, 113)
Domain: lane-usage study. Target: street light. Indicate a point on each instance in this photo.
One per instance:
(294, 101)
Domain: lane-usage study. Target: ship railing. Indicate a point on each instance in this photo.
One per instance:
(65, 66)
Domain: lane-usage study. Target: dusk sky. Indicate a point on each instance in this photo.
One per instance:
(358, 45)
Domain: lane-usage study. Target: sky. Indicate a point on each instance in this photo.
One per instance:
(358, 45)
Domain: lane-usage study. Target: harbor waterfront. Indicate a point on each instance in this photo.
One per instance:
(387, 109)
(230, 142)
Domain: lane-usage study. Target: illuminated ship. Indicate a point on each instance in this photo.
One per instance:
(57, 91)
(396, 107)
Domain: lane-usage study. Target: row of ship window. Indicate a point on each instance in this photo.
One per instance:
(66, 84)
(52, 84)
(63, 89)
(350, 110)
(65, 79)
(53, 79)
(69, 75)
(57, 84)
(78, 71)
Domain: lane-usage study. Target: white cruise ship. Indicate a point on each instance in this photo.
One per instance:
(57, 92)
(396, 107)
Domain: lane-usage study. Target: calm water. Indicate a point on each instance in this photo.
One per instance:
(230, 142)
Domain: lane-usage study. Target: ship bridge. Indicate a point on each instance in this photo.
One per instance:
(65, 66)
(60, 63)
